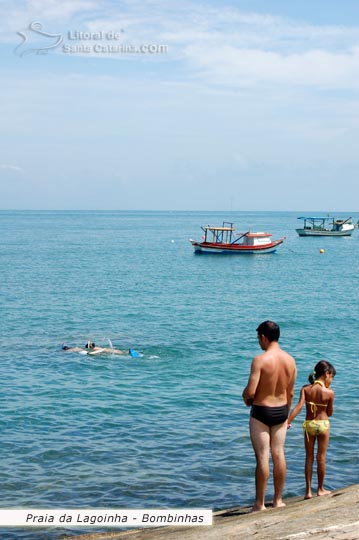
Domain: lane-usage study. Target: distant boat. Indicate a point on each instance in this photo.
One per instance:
(325, 226)
(224, 239)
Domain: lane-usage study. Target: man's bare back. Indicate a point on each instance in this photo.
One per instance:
(277, 372)
(269, 392)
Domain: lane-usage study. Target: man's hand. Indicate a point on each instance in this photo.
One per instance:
(247, 400)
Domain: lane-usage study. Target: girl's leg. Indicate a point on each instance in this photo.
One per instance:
(323, 440)
(309, 442)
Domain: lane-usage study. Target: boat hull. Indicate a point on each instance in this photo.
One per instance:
(233, 249)
(311, 232)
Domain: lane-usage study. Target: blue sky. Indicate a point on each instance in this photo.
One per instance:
(179, 105)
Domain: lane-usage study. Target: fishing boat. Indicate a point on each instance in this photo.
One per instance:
(224, 239)
(325, 226)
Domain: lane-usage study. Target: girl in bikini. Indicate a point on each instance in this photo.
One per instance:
(318, 398)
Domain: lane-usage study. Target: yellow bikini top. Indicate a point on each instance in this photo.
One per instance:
(314, 406)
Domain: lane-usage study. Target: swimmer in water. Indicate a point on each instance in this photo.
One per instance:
(92, 349)
(71, 349)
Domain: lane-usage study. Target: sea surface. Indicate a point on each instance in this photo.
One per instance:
(167, 429)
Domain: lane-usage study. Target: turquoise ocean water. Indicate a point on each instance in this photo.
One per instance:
(168, 429)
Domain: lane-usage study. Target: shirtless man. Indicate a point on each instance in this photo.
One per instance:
(269, 392)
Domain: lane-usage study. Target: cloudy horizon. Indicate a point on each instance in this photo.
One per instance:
(179, 105)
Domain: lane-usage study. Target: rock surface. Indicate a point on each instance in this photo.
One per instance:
(334, 516)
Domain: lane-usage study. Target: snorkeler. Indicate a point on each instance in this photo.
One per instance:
(91, 349)
(71, 349)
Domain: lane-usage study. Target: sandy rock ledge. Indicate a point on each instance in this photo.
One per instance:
(334, 516)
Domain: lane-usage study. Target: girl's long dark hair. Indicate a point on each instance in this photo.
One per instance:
(322, 367)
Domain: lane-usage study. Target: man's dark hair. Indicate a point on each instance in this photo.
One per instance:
(270, 330)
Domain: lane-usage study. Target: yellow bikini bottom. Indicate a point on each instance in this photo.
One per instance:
(315, 427)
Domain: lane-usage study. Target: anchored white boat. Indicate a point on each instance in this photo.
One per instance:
(224, 239)
(325, 226)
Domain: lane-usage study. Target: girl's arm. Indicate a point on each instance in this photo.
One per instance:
(298, 406)
(330, 405)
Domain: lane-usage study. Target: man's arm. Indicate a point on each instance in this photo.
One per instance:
(253, 380)
(290, 389)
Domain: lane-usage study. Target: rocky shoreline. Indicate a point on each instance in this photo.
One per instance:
(334, 516)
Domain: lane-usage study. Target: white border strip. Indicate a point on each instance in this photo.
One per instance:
(109, 517)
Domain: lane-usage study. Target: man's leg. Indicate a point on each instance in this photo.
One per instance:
(278, 434)
(260, 440)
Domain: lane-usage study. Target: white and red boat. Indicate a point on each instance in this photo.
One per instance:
(224, 239)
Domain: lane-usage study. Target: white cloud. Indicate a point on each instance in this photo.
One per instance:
(182, 24)
(61, 11)
(239, 96)
(247, 67)
(219, 45)
(10, 168)
(16, 16)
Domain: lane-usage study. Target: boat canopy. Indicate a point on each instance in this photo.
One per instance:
(210, 228)
(316, 217)
(324, 219)
(220, 235)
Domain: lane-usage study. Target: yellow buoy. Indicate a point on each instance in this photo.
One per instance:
(321, 251)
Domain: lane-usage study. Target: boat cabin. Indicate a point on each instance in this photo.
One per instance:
(227, 235)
